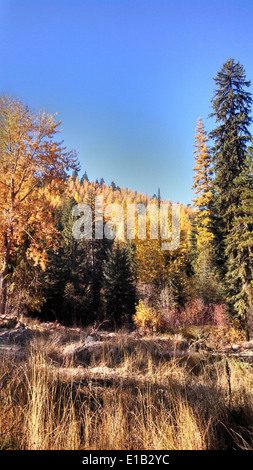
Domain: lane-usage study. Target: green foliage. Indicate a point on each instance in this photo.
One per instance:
(233, 185)
(95, 279)
(239, 249)
(84, 177)
(119, 282)
(68, 275)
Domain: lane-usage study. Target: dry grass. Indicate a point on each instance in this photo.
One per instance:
(126, 394)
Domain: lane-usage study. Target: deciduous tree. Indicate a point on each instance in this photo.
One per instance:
(30, 157)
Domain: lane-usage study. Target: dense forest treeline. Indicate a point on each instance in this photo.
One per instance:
(47, 272)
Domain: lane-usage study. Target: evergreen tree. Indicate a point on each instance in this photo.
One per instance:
(74, 175)
(84, 177)
(68, 293)
(239, 253)
(119, 282)
(96, 253)
(74, 276)
(233, 185)
(231, 104)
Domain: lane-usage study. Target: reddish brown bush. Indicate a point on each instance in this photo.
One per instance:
(196, 313)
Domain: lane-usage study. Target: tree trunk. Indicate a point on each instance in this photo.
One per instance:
(3, 281)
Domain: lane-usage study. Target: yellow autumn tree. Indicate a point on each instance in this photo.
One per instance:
(202, 184)
(165, 271)
(30, 157)
(206, 278)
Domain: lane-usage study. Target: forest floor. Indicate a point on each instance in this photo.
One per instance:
(85, 389)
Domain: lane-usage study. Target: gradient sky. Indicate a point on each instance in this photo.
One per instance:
(128, 78)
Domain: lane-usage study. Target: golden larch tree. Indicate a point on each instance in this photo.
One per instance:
(207, 283)
(202, 184)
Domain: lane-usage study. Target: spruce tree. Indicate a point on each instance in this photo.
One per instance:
(119, 282)
(67, 294)
(74, 175)
(239, 253)
(84, 178)
(231, 104)
(233, 186)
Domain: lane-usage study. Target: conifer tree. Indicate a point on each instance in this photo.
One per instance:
(84, 178)
(74, 175)
(233, 186)
(231, 105)
(202, 235)
(202, 184)
(119, 282)
(239, 253)
(68, 286)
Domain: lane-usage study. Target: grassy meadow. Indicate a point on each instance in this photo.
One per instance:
(76, 389)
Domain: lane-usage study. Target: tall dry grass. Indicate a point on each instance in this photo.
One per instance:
(125, 398)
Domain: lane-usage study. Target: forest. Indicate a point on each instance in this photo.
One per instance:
(46, 272)
(127, 291)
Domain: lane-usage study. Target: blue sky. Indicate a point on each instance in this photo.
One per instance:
(128, 78)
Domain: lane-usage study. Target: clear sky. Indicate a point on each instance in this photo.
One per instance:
(128, 78)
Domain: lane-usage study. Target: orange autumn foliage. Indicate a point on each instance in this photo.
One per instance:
(30, 158)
